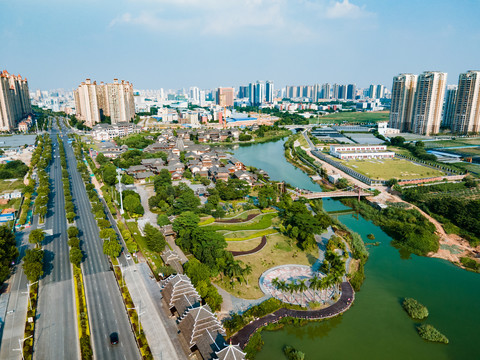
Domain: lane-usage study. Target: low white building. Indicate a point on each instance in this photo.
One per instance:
(358, 152)
(103, 132)
(383, 129)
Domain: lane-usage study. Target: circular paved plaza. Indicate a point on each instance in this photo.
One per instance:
(294, 273)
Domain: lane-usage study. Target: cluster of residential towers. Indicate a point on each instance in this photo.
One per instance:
(422, 104)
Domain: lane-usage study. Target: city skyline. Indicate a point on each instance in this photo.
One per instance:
(289, 42)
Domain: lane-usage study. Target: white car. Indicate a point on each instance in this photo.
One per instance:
(128, 256)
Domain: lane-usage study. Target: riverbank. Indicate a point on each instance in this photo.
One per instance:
(256, 140)
(391, 275)
(452, 247)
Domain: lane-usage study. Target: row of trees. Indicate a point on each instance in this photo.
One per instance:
(69, 207)
(40, 160)
(8, 252)
(111, 246)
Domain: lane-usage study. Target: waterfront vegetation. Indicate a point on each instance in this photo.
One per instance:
(430, 333)
(293, 354)
(408, 228)
(414, 309)
(446, 202)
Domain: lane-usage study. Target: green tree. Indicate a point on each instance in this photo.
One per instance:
(76, 256)
(108, 235)
(71, 216)
(111, 248)
(127, 179)
(36, 237)
(33, 264)
(162, 220)
(133, 205)
(8, 252)
(155, 240)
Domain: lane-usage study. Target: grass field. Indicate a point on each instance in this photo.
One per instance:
(384, 169)
(258, 223)
(448, 143)
(353, 117)
(279, 250)
(9, 186)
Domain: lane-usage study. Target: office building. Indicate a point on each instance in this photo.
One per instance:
(95, 102)
(243, 92)
(14, 100)
(316, 93)
(225, 96)
(342, 92)
(251, 93)
(466, 116)
(427, 109)
(403, 96)
(269, 92)
(449, 106)
(259, 93)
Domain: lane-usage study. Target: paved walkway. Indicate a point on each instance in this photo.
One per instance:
(345, 301)
(145, 293)
(322, 241)
(232, 304)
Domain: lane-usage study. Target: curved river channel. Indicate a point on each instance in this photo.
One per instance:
(376, 327)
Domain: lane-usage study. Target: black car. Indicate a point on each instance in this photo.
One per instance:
(114, 338)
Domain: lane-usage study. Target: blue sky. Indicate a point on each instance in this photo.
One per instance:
(210, 43)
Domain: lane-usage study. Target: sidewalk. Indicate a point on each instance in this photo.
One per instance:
(160, 331)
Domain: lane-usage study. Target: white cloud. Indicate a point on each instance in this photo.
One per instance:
(346, 10)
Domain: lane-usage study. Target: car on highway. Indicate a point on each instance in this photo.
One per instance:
(114, 338)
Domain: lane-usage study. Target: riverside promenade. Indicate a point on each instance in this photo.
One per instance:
(343, 304)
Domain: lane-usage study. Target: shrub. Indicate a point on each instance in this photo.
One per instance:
(254, 345)
(415, 309)
(293, 354)
(429, 333)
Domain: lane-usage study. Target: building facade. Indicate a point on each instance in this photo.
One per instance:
(269, 92)
(14, 100)
(403, 96)
(466, 116)
(93, 102)
(427, 109)
(449, 106)
(358, 152)
(225, 96)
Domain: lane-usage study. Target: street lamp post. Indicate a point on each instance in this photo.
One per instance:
(138, 309)
(119, 178)
(20, 344)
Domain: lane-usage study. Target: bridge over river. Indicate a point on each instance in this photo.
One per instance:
(349, 192)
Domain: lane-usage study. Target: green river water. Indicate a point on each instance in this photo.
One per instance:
(376, 327)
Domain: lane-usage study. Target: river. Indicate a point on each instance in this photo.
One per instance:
(376, 327)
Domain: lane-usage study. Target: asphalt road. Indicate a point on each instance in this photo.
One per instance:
(106, 310)
(14, 326)
(56, 329)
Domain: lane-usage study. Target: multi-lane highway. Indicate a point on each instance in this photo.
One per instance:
(56, 335)
(106, 310)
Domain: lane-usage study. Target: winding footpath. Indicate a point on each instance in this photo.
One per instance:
(343, 304)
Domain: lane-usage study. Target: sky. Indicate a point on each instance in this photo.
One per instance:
(175, 44)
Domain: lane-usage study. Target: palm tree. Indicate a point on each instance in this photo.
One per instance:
(302, 287)
(247, 271)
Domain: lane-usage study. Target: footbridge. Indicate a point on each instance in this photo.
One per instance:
(349, 192)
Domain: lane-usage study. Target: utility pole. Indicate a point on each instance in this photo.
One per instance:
(119, 178)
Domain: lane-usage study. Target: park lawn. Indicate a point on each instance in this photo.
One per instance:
(248, 234)
(355, 117)
(280, 250)
(386, 169)
(243, 215)
(9, 186)
(258, 223)
(243, 245)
